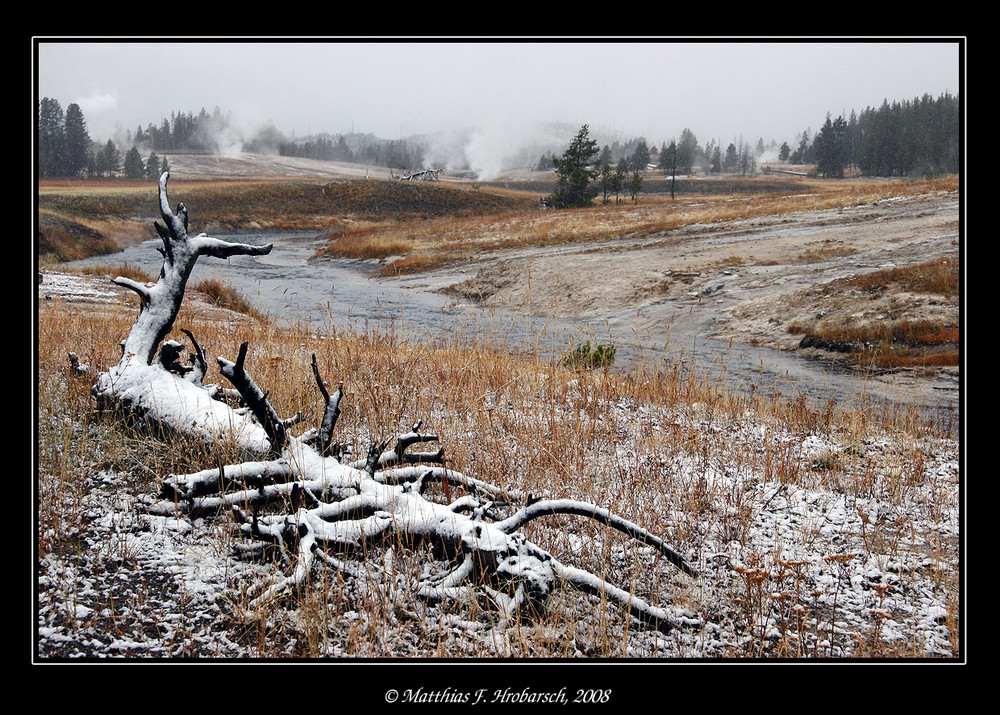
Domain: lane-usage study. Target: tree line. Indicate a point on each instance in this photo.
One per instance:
(64, 147)
(909, 138)
(583, 171)
(896, 139)
(357, 148)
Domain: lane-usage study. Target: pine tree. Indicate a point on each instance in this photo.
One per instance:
(133, 166)
(77, 141)
(575, 170)
(51, 138)
(108, 159)
(831, 147)
(688, 152)
(152, 166)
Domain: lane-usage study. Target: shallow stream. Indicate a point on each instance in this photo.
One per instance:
(292, 286)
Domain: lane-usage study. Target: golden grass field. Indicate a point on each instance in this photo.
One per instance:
(822, 531)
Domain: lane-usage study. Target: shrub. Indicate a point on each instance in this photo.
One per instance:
(584, 358)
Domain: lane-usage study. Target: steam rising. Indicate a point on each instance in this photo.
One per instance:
(490, 150)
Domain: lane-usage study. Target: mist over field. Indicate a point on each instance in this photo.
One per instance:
(490, 106)
(707, 415)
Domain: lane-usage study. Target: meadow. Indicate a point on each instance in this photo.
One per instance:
(821, 531)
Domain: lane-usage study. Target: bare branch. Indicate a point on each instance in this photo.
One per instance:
(255, 399)
(198, 362)
(546, 507)
(330, 413)
(303, 501)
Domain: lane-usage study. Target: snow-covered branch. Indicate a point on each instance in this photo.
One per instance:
(155, 390)
(295, 496)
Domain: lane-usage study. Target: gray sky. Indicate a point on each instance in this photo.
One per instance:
(719, 90)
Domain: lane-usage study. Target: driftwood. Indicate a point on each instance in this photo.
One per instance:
(300, 497)
(425, 175)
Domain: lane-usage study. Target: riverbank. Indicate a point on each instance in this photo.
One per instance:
(764, 281)
(818, 532)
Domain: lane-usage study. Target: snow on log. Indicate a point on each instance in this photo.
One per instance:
(153, 390)
(296, 498)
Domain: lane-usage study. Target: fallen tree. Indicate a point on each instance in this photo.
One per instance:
(301, 499)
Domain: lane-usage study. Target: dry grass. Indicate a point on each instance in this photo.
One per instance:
(218, 293)
(675, 453)
(224, 295)
(941, 277)
(410, 246)
(748, 483)
(898, 343)
(302, 205)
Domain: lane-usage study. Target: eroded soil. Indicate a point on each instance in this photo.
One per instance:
(748, 281)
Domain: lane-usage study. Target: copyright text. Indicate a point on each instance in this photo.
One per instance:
(512, 696)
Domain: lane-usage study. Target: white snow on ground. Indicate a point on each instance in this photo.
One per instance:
(818, 568)
(824, 544)
(78, 287)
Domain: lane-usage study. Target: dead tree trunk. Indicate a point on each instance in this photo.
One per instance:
(161, 391)
(337, 507)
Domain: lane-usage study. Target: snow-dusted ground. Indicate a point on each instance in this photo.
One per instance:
(810, 542)
(849, 547)
(141, 585)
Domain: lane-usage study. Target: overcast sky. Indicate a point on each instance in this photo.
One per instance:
(719, 89)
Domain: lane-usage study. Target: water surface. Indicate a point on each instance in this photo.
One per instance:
(294, 287)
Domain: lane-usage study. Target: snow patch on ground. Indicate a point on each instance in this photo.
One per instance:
(817, 566)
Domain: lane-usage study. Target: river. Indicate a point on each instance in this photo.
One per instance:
(292, 286)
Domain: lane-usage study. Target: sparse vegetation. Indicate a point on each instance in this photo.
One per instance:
(225, 296)
(940, 276)
(895, 342)
(583, 357)
(418, 245)
(217, 292)
(827, 530)
(306, 205)
(651, 445)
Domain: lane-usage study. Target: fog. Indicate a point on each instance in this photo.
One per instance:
(488, 102)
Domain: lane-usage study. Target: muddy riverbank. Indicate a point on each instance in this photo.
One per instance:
(717, 298)
(739, 287)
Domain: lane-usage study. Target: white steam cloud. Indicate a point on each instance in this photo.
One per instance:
(490, 150)
(99, 111)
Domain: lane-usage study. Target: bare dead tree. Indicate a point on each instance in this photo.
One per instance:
(152, 389)
(297, 497)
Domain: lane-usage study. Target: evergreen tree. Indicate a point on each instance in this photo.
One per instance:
(77, 141)
(803, 154)
(831, 148)
(575, 170)
(688, 152)
(666, 162)
(633, 167)
(604, 180)
(51, 138)
(635, 185)
(716, 160)
(341, 151)
(133, 166)
(606, 159)
(153, 166)
(640, 156)
(731, 163)
(108, 160)
(617, 183)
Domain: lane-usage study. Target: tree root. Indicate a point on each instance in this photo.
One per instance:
(295, 497)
